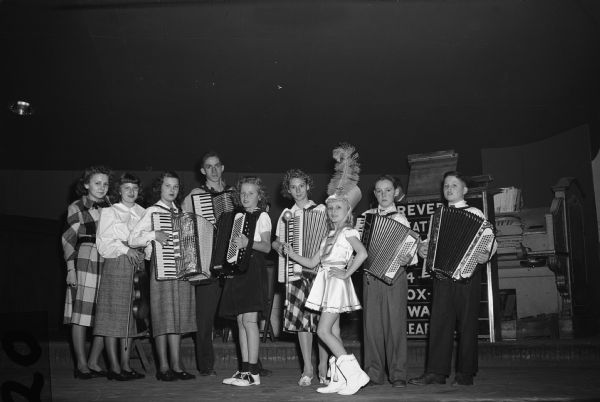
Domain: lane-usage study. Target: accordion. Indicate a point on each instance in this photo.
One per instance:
(211, 206)
(188, 250)
(386, 241)
(304, 231)
(227, 259)
(456, 236)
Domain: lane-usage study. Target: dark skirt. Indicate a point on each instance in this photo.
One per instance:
(246, 293)
(115, 296)
(172, 306)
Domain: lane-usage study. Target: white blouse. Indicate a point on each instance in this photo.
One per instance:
(262, 225)
(142, 234)
(114, 227)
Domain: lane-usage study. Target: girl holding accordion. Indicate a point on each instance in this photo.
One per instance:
(341, 253)
(296, 185)
(172, 304)
(245, 294)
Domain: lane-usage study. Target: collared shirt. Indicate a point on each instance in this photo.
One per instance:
(116, 223)
(392, 212)
(142, 234)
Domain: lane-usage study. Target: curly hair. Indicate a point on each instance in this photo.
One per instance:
(157, 186)
(126, 178)
(295, 174)
(263, 199)
(86, 176)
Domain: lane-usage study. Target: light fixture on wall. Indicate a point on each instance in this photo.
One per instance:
(22, 108)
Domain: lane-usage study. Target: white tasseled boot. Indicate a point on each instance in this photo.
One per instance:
(336, 380)
(356, 378)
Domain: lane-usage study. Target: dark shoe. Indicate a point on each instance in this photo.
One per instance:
(399, 384)
(81, 375)
(98, 373)
(168, 375)
(209, 372)
(462, 379)
(265, 372)
(133, 375)
(111, 375)
(428, 378)
(184, 375)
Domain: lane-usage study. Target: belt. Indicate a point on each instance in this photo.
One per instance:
(86, 239)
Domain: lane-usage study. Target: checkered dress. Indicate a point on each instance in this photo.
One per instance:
(80, 301)
(296, 317)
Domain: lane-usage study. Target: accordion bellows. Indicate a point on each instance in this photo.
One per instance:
(304, 231)
(386, 241)
(456, 236)
(189, 248)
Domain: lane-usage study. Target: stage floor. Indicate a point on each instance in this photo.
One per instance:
(535, 370)
(539, 383)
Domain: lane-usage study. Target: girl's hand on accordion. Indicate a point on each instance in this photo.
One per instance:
(161, 237)
(482, 257)
(241, 241)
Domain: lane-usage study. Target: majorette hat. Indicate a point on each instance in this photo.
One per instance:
(343, 183)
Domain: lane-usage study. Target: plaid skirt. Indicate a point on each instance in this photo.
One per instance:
(172, 306)
(80, 301)
(115, 295)
(296, 318)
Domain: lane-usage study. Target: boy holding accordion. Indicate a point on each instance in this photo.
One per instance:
(455, 304)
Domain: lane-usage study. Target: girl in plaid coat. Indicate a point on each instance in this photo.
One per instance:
(83, 267)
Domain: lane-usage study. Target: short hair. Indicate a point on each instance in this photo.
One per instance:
(86, 176)
(392, 179)
(294, 174)
(456, 174)
(126, 178)
(210, 154)
(263, 199)
(158, 182)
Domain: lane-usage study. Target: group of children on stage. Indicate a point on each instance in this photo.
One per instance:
(105, 243)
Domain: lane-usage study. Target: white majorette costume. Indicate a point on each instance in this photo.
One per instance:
(329, 294)
(334, 295)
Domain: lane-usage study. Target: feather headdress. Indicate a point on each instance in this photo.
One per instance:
(343, 183)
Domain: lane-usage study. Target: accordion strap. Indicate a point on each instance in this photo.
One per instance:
(166, 209)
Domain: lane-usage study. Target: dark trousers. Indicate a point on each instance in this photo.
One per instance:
(455, 305)
(207, 301)
(384, 328)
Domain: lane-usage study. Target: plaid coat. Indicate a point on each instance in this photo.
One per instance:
(79, 246)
